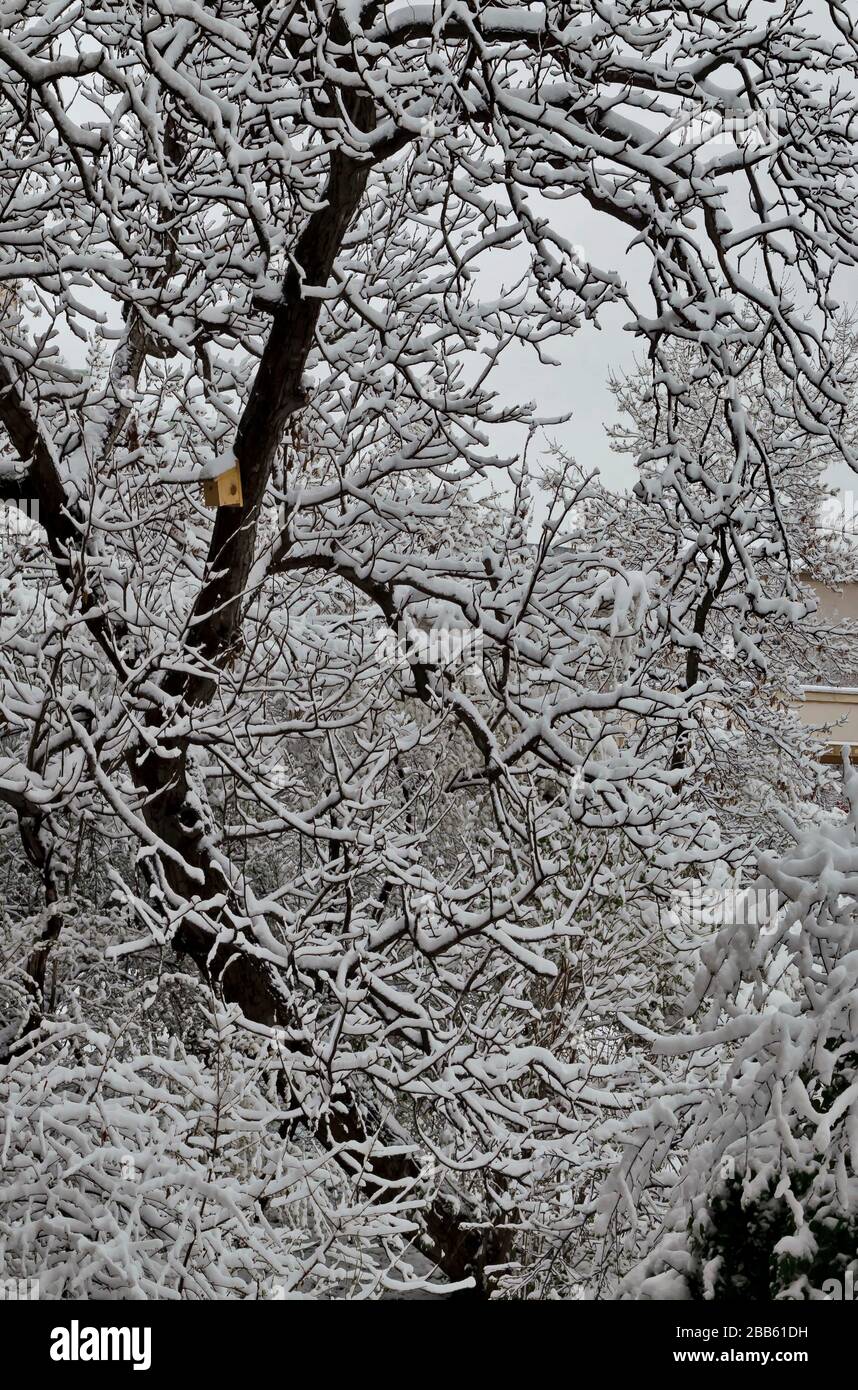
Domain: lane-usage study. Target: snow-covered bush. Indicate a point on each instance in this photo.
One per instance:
(767, 1110)
(126, 1175)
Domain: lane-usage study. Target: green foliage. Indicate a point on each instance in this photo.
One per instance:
(735, 1241)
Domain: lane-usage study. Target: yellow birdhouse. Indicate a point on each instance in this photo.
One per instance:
(224, 490)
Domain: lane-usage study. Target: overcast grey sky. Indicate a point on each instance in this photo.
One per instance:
(588, 357)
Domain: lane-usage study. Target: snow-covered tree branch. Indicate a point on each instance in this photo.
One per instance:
(343, 823)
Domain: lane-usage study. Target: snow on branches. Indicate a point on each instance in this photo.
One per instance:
(300, 238)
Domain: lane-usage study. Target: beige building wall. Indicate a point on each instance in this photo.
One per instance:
(836, 605)
(832, 705)
(836, 703)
